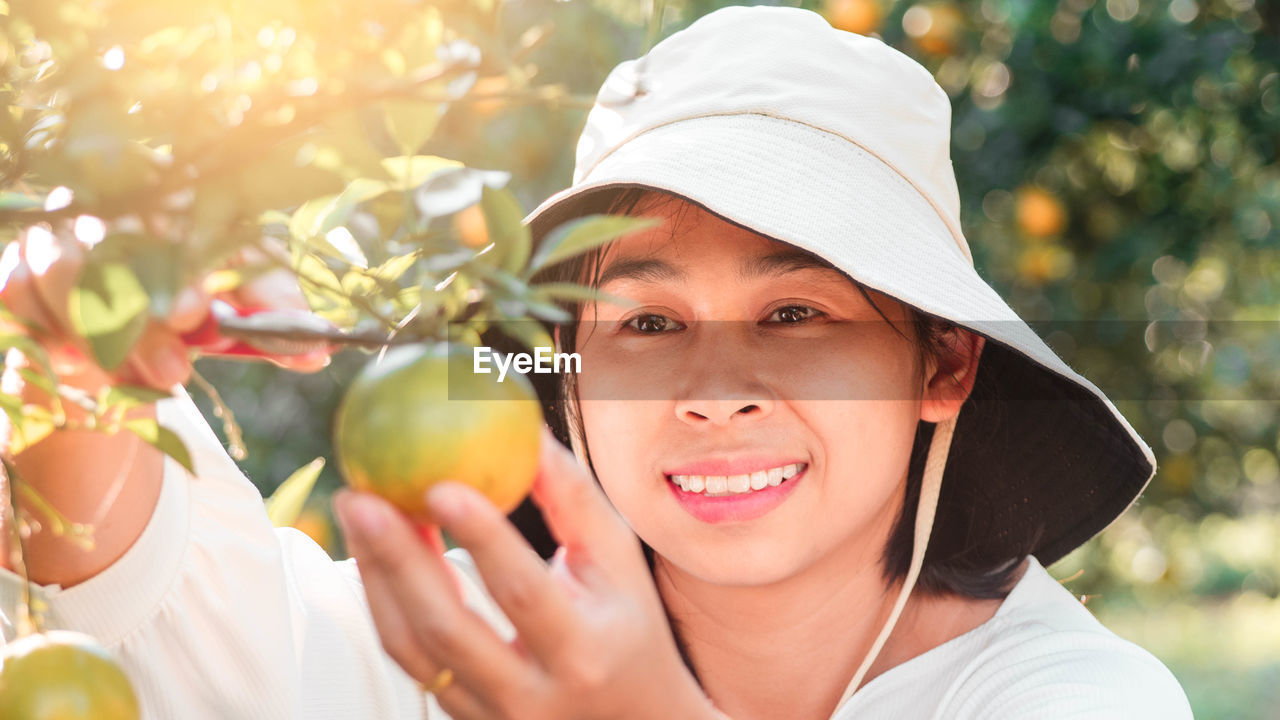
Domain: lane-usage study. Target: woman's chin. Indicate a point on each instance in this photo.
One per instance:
(738, 566)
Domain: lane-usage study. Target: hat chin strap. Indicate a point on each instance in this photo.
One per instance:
(930, 486)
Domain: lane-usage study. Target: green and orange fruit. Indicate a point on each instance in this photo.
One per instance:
(420, 415)
(63, 675)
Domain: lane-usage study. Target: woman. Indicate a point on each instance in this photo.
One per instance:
(808, 386)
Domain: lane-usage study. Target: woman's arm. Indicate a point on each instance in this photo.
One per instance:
(110, 481)
(216, 614)
(212, 612)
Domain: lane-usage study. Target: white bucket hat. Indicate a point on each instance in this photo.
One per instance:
(839, 144)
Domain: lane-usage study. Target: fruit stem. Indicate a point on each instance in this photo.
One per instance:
(222, 411)
(29, 619)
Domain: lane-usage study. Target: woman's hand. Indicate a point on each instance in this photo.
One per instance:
(110, 481)
(592, 639)
(37, 274)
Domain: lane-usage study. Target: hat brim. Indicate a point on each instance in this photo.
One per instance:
(1041, 460)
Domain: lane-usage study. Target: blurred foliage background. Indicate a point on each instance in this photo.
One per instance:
(1117, 162)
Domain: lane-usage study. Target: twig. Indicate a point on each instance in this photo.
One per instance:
(235, 438)
(29, 621)
(234, 328)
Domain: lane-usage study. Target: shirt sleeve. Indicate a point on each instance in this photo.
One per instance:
(216, 614)
(1069, 675)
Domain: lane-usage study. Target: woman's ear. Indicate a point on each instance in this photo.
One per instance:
(953, 376)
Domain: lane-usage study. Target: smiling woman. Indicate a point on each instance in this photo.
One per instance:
(805, 291)
(818, 465)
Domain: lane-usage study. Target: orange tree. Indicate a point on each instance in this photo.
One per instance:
(1116, 160)
(205, 143)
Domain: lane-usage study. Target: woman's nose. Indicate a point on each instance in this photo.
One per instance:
(723, 410)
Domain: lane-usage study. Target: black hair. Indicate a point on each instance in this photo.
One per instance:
(948, 567)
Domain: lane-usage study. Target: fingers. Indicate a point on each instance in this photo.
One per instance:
(190, 308)
(159, 359)
(580, 516)
(415, 601)
(276, 289)
(17, 289)
(513, 573)
(461, 704)
(56, 260)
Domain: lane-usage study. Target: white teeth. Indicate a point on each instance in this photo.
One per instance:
(718, 485)
(775, 476)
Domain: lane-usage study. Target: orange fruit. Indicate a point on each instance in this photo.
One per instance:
(490, 85)
(1045, 263)
(855, 16)
(471, 227)
(421, 415)
(1039, 213)
(62, 675)
(935, 27)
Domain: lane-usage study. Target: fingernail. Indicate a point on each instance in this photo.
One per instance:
(447, 502)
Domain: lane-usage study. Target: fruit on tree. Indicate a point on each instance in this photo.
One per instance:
(420, 415)
(63, 675)
(855, 16)
(936, 27)
(1039, 213)
(471, 227)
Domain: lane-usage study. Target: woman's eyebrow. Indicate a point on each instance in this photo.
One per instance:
(780, 263)
(642, 269)
(653, 270)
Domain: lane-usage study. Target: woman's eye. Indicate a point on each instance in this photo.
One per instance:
(791, 314)
(652, 324)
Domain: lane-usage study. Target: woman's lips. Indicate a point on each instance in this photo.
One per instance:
(736, 506)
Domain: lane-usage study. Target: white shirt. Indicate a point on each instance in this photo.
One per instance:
(217, 615)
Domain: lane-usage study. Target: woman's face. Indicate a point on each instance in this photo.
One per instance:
(746, 360)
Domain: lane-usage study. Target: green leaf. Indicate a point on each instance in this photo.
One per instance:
(29, 348)
(504, 217)
(40, 380)
(504, 283)
(286, 503)
(340, 244)
(162, 439)
(448, 262)
(318, 216)
(274, 217)
(19, 201)
(547, 311)
(31, 424)
(109, 309)
(410, 171)
(133, 396)
(323, 290)
(395, 267)
(576, 292)
(411, 123)
(580, 235)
